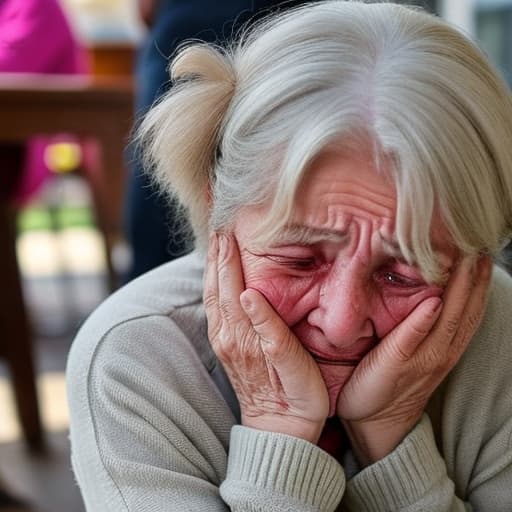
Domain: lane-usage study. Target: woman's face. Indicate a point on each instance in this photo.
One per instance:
(335, 274)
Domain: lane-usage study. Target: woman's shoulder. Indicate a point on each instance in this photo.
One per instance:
(144, 393)
(470, 412)
(491, 345)
(161, 291)
(496, 326)
(159, 309)
(481, 381)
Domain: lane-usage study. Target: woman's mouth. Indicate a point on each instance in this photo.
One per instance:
(344, 362)
(348, 357)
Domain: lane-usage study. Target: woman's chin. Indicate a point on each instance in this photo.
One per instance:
(335, 377)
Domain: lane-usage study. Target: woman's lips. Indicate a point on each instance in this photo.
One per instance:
(349, 357)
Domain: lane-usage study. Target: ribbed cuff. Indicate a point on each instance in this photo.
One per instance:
(286, 470)
(401, 478)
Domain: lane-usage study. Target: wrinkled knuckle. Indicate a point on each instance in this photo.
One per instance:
(263, 324)
(461, 341)
(271, 349)
(242, 336)
(223, 346)
(214, 330)
(225, 254)
(432, 359)
(399, 354)
(226, 309)
(222, 265)
(274, 349)
(419, 332)
(451, 326)
(210, 302)
(473, 321)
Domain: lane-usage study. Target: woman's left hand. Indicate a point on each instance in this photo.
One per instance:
(388, 391)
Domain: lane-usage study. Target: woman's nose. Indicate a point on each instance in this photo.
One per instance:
(343, 312)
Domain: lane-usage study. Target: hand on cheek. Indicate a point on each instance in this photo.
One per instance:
(277, 383)
(387, 393)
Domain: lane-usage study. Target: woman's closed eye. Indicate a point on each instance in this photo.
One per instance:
(295, 263)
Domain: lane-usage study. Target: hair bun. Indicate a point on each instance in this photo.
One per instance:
(203, 62)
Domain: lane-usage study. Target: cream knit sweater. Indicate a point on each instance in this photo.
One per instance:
(154, 421)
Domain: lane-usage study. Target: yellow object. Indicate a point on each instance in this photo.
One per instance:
(63, 157)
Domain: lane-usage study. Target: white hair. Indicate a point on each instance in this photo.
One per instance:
(246, 122)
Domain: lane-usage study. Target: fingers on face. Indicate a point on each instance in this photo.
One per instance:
(474, 306)
(282, 349)
(448, 325)
(230, 276)
(211, 289)
(402, 343)
(273, 332)
(464, 300)
(211, 282)
(223, 283)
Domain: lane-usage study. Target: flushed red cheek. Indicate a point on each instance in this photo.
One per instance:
(290, 297)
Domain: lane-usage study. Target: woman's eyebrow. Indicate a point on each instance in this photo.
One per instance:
(393, 249)
(306, 235)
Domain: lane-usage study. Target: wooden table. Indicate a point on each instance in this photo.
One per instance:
(99, 109)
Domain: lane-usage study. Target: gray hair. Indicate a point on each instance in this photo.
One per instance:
(244, 123)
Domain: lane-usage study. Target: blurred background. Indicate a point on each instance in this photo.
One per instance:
(62, 247)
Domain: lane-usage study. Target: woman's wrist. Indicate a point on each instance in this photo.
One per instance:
(292, 426)
(371, 441)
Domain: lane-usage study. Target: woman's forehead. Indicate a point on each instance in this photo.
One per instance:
(342, 185)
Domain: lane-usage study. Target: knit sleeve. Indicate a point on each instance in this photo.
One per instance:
(275, 472)
(150, 432)
(468, 466)
(414, 477)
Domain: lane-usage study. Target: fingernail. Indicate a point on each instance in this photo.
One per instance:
(213, 245)
(224, 246)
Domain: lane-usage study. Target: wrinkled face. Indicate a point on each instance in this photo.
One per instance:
(334, 274)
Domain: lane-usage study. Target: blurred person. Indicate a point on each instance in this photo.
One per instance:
(155, 228)
(340, 340)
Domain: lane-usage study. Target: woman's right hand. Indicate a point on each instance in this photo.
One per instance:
(277, 382)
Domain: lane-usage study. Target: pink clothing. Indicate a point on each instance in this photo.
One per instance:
(35, 37)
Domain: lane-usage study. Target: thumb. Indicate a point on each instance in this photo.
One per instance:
(401, 343)
(283, 350)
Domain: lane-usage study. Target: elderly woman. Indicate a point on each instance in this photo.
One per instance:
(347, 170)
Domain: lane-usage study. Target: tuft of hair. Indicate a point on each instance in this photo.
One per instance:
(180, 134)
(245, 123)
